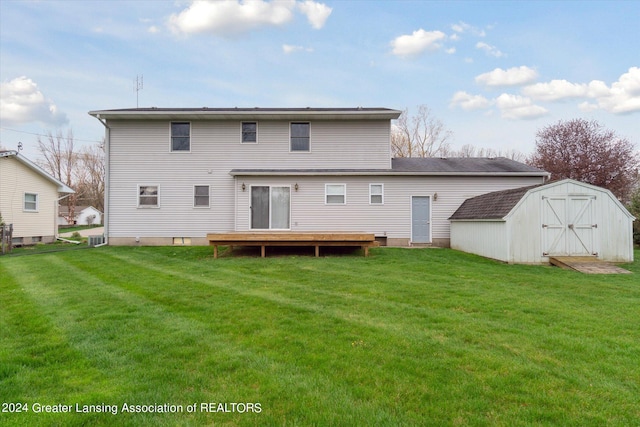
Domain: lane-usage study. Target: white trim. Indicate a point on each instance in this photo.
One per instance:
(24, 202)
(299, 151)
(171, 150)
(156, 206)
(344, 194)
(381, 194)
(208, 206)
(257, 136)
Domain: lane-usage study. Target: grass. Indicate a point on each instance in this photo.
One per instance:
(404, 337)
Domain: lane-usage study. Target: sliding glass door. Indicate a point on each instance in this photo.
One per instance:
(270, 207)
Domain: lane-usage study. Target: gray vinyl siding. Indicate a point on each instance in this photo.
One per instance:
(140, 154)
(392, 219)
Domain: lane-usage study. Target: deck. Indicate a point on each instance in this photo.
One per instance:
(285, 238)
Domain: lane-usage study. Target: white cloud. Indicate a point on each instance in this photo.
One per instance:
(518, 107)
(451, 50)
(22, 102)
(469, 102)
(622, 97)
(289, 49)
(416, 43)
(229, 17)
(463, 27)
(512, 77)
(317, 13)
(153, 29)
(555, 90)
(489, 50)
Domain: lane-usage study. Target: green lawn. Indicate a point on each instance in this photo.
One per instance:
(403, 337)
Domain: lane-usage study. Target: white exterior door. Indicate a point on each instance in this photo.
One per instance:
(568, 226)
(420, 219)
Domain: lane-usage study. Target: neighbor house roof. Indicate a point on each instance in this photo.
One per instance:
(468, 166)
(62, 187)
(206, 113)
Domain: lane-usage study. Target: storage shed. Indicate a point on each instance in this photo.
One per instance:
(528, 225)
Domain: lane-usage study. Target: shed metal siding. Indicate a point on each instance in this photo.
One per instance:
(523, 240)
(484, 238)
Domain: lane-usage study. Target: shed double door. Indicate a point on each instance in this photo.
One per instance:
(568, 226)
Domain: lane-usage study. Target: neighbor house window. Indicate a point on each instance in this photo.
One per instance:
(201, 196)
(249, 132)
(148, 196)
(31, 202)
(376, 194)
(335, 194)
(300, 136)
(180, 136)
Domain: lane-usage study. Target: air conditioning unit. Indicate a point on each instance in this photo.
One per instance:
(95, 240)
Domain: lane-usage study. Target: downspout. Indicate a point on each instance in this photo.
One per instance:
(107, 185)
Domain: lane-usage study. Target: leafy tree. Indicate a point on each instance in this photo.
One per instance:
(586, 151)
(634, 208)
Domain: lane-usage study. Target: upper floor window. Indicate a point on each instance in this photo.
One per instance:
(180, 136)
(300, 136)
(148, 196)
(376, 194)
(249, 132)
(201, 196)
(31, 202)
(335, 194)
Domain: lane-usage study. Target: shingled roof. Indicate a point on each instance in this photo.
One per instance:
(481, 165)
(494, 205)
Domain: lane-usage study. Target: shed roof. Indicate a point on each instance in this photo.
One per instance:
(495, 205)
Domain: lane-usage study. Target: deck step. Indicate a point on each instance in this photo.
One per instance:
(586, 264)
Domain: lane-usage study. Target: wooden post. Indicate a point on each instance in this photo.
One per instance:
(317, 251)
(215, 251)
(263, 251)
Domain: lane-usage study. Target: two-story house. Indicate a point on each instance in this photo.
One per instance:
(176, 174)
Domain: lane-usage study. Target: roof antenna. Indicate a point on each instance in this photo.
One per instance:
(137, 86)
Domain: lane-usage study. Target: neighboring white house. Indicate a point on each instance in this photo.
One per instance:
(528, 225)
(174, 175)
(84, 215)
(29, 199)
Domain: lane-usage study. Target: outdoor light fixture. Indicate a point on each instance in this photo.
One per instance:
(435, 197)
(295, 187)
(244, 187)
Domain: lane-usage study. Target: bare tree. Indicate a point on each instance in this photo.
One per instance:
(90, 176)
(586, 151)
(61, 161)
(421, 135)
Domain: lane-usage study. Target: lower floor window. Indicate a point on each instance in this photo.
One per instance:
(201, 196)
(148, 196)
(335, 194)
(30, 202)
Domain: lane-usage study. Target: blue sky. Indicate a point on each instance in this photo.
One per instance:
(492, 72)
